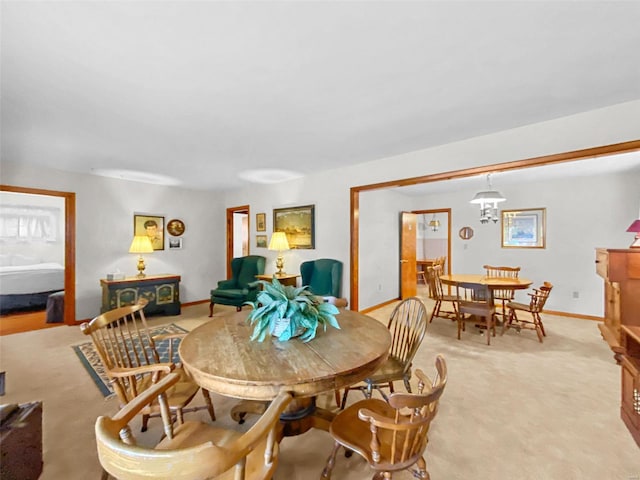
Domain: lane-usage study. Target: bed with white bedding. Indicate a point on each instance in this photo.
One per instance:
(27, 287)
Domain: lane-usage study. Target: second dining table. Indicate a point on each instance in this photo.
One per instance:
(494, 283)
(221, 358)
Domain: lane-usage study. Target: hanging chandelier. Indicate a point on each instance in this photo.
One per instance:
(434, 223)
(488, 201)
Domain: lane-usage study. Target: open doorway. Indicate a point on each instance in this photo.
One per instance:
(38, 234)
(434, 236)
(237, 234)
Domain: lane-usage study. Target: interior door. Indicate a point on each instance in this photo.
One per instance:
(237, 239)
(408, 281)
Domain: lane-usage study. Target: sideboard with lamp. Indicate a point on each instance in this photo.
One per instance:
(161, 291)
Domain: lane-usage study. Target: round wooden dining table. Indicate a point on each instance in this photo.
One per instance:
(493, 283)
(220, 358)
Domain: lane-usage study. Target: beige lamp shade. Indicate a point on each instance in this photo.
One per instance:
(141, 244)
(279, 242)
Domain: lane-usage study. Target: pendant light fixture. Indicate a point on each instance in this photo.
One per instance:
(434, 223)
(488, 201)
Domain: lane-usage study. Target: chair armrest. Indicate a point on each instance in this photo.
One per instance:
(127, 372)
(226, 284)
(132, 408)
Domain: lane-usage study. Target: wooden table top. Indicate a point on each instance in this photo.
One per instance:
(481, 279)
(221, 358)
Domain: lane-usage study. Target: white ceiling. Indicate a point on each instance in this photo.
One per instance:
(201, 91)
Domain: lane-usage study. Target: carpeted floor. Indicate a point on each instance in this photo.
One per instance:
(517, 409)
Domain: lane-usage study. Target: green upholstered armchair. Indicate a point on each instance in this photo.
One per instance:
(243, 285)
(323, 276)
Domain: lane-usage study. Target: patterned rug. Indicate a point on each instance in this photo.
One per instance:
(91, 361)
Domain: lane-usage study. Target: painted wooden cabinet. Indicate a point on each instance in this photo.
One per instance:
(161, 291)
(620, 269)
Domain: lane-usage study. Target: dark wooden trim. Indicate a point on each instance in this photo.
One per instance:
(69, 244)
(230, 212)
(583, 154)
(573, 315)
(197, 302)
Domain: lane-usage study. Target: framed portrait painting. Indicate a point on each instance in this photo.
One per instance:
(524, 228)
(261, 222)
(298, 223)
(152, 226)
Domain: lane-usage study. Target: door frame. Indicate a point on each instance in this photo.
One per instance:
(431, 211)
(354, 194)
(230, 239)
(69, 245)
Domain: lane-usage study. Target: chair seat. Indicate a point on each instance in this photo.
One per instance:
(519, 306)
(354, 434)
(193, 434)
(231, 293)
(178, 395)
(392, 369)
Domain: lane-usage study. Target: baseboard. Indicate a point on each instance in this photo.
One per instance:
(574, 315)
(380, 305)
(197, 302)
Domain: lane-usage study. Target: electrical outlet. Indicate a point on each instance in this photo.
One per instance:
(379, 287)
(576, 294)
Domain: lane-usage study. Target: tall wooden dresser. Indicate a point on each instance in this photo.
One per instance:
(620, 269)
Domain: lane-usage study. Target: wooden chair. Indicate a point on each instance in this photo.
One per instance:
(390, 436)
(435, 285)
(191, 451)
(475, 304)
(535, 306)
(407, 325)
(132, 362)
(502, 295)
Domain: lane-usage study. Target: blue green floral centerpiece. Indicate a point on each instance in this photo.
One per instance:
(286, 312)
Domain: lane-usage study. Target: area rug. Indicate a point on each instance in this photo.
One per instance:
(91, 360)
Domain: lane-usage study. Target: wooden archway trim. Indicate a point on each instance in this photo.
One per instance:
(69, 245)
(583, 154)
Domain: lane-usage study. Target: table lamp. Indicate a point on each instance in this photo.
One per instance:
(635, 227)
(279, 242)
(141, 244)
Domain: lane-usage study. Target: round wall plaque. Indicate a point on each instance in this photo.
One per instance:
(175, 227)
(466, 233)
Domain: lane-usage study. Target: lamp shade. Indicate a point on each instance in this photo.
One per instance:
(278, 241)
(634, 227)
(141, 244)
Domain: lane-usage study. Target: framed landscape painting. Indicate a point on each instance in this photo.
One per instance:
(524, 228)
(298, 223)
(261, 241)
(261, 222)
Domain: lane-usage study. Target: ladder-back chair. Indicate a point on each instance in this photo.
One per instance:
(407, 325)
(192, 450)
(475, 305)
(502, 295)
(132, 363)
(435, 285)
(538, 299)
(390, 436)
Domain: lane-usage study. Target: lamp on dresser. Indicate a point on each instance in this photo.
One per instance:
(141, 244)
(635, 228)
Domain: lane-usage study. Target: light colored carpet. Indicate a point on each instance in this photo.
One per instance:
(516, 409)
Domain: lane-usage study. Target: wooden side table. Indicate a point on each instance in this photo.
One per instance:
(284, 279)
(161, 291)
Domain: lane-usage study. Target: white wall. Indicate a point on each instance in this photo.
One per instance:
(582, 214)
(329, 191)
(104, 229)
(105, 206)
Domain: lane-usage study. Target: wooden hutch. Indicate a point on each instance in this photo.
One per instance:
(620, 269)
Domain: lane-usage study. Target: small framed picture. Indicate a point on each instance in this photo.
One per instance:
(261, 241)
(261, 222)
(175, 243)
(152, 226)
